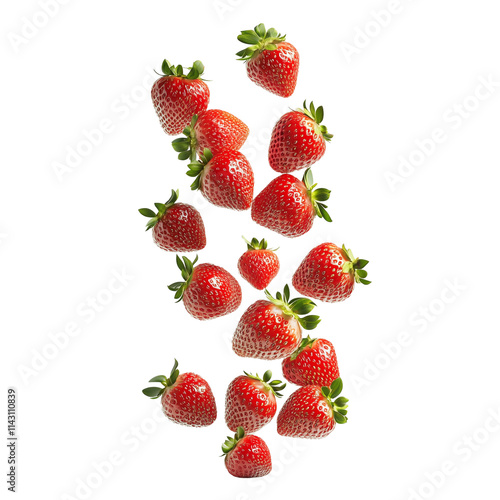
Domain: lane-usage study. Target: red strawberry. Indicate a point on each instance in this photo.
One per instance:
(313, 363)
(328, 273)
(271, 62)
(271, 329)
(246, 456)
(311, 412)
(177, 227)
(251, 401)
(186, 398)
(226, 180)
(207, 291)
(259, 265)
(298, 140)
(213, 129)
(289, 206)
(177, 97)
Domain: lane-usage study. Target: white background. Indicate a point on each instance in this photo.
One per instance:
(63, 237)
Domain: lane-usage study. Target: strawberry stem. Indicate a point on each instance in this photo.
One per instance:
(156, 392)
(187, 268)
(188, 145)
(195, 71)
(317, 196)
(162, 209)
(355, 266)
(275, 386)
(338, 404)
(297, 308)
(316, 115)
(259, 40)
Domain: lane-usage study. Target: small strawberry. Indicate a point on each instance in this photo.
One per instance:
(226, 180)
(207, 291)
(313, 363)
(259, 265)
(177, 97)
(271, 62)
(177, 227)
(246, 456)
(289, 206)
(186, 398)
(328, 273)
(311, 411)
(298, 140)
(271, 329)
(213, 129)
(251, 401)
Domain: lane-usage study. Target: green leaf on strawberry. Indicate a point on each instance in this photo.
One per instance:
(161, 207)
(354, 266)
(259, 40)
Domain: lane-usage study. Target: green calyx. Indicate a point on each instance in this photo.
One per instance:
(297, 308)
(307, 342)
(156, 392)
(316, 115)
(186, 267)
(231, 442)
(194, 73)
(317, 196)
(255, 244)
(354, 267)
(259, 40)
(338, 404)
(195, 169)
(162, 209)
(187, 146)
(270, 385)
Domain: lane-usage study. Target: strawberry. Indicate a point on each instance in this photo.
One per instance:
(311, 411)
(177, 97)
(298, 140)
(177, 227)
(207, 291)
(328, 273)
(213, 129)
(226, 180)
(313, 363)
(246, 456)
(272, 63)
(186, 398)
(259, 265)
(289, 206)
(271, 329)
(251, 401)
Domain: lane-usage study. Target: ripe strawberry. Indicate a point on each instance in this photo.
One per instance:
(289, 206)
(298, 140)
(207, 291)
(328, 273)
(226, 180)
(246, 456)
(271, 62)
(311, 412)
(251, 401)
(271, 329)
(177, 97)
(213, 129)
(186, 398)
(177, 227)
(259, 265)
(313, 363)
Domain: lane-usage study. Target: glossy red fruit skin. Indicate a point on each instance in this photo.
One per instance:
(320, 274)
(249, 404)
(249, 458)
(259, 267)
(212, 292)
(189, 401)
(314, 365)
(284, 206)
(218, 131)
(264, 332)
(181, 229)
(276, 70)
(306, 414)
(296, 143)
(177, 99)
(227, 181)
